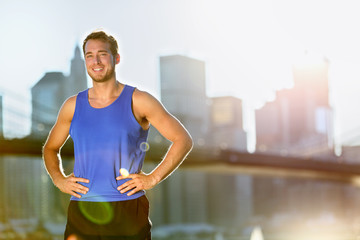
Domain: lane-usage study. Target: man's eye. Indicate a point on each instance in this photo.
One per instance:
(89, 56)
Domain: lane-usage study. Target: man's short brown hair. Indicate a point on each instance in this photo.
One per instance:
(102, 36)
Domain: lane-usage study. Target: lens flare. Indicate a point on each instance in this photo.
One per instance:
(97, 212)
(73, 237)
(124, 172)
(257, 234)
(144, 146)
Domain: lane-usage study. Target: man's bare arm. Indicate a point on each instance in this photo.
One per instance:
(168, 126)
(51, 152)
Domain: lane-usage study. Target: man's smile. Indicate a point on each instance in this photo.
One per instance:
(98, 69)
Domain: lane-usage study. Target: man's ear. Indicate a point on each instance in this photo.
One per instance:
(117, 59)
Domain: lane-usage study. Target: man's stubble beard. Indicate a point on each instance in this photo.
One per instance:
(105, 78)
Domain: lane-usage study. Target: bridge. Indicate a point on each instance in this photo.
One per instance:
(221, 161)
(204, 159)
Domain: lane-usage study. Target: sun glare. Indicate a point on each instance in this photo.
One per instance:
(256, 234)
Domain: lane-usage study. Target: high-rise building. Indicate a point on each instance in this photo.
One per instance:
(227, 130)
(212, 123)
(77, 80)
(299, 121)
(49, 93)
(183, 93)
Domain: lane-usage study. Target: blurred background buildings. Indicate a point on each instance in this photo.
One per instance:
(50, 92)
(299, 122)
(213, 122)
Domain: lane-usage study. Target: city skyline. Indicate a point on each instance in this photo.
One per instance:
(246, 46)
(184, 96)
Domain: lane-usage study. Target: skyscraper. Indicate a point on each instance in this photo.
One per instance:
(183, 92)
(52, 90)
(76, 81)
(227, 130)
(299, 121)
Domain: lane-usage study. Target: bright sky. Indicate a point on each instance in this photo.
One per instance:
(248, 46)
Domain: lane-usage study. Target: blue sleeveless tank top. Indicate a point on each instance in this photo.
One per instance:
(106, 140)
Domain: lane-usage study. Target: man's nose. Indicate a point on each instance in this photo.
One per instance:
(97, 59)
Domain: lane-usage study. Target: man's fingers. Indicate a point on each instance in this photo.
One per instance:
(126, 176)
(72, 178)
(125, 184)
(137, 183)
(80, 188)
(72, 192)
(84, 180)
(75, 189)
(133, 191)
(75, 194)
(126, 187)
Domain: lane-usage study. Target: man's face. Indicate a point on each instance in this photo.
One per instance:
(100, 63)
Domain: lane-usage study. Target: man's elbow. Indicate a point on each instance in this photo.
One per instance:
(45, 150)
(49, 150)
(189, 143)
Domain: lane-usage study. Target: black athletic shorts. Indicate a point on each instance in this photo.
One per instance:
(122, 220)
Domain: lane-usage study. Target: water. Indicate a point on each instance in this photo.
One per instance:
(191, 205)
(29, 201)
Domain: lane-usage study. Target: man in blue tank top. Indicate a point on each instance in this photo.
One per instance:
(109, 124)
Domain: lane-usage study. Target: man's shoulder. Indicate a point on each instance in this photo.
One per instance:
(71, 100)
(144, 100)
(68, 106)
(145, 103)
(141, 95)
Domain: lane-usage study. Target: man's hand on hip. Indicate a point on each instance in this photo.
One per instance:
(70, 185)
(136, 183)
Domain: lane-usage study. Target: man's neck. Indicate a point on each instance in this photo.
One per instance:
(106, 90)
